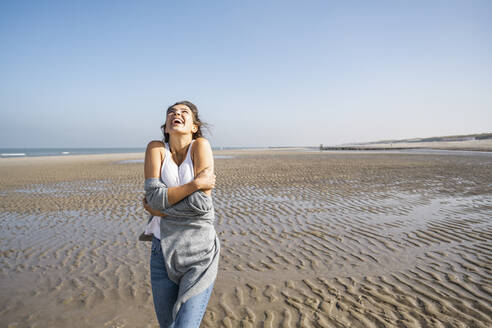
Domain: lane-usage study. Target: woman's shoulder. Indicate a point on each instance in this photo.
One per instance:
(200, 147)
(156, 148)
(200, 144)
(155, 144)
(202, 141)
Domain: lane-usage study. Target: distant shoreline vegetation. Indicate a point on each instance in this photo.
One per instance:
(364, 148)
(418, 142)
(467, 137)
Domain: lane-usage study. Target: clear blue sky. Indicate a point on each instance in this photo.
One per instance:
(263, 73)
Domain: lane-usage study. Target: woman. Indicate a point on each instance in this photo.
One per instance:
(185, 248)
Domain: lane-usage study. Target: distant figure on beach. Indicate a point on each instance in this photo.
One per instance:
(179, 179)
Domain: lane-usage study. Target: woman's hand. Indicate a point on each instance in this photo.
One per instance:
(150, 210)
(205, 180)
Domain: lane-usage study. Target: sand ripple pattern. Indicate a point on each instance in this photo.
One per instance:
(308, 240)
(354, 241)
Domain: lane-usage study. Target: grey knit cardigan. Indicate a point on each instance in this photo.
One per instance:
(188, 239)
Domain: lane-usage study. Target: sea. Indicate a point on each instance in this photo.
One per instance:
(37, 152)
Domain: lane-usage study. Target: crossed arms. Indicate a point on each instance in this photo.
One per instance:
(158, 197)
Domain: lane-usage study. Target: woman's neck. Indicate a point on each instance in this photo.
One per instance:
(178, 144)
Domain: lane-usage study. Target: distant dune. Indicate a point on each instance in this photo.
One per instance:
(478, 142)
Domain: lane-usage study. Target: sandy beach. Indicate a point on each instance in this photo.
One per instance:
(309, 239)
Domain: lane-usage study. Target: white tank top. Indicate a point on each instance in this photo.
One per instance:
(172, 175)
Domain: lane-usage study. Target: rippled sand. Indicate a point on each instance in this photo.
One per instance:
(308, 239)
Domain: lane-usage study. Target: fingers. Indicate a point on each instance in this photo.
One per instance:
(146, 205)
(211, 182)
(206, 179)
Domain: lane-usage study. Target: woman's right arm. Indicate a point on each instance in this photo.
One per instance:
(152, 169)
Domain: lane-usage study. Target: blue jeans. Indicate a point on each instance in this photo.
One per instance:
(165, 293)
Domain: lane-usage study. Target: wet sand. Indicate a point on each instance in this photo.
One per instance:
(309, 239)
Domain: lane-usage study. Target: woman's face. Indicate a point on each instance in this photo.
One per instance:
(180, 120)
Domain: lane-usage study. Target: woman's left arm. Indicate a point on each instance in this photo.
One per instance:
(150, 209)
(202, 158)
